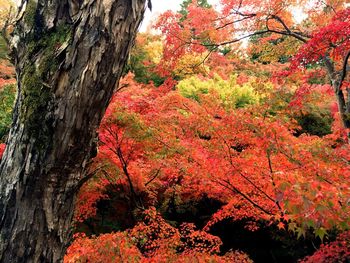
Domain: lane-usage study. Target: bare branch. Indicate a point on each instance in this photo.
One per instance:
(234, 189)
(154, 177)
(235, 21)
(237, 39)
(287, 31)
(344, 69)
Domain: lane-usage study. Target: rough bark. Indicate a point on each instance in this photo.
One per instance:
(69, 56)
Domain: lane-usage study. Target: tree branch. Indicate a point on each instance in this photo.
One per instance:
(344, 69)
(288, 32)
(154, 177)
(235, 190)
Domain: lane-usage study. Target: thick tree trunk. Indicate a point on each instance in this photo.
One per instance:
(69, 56)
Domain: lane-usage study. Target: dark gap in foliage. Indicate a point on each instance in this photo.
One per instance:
(267, 244)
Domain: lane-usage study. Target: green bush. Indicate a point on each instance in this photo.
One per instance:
(7, 98)
(3, 48)
(316, 122)
(231, 94)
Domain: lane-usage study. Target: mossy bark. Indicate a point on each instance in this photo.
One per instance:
(69, 56)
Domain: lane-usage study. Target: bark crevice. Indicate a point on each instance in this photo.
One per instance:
(69, 55)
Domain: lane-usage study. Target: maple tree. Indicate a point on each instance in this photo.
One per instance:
(184, 7)
(244, 140)
(336, 251)
(145, 57)
(322, 37)
(165, 147)
(266, 146)
(153, 240)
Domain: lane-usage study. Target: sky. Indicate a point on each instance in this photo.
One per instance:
(160, 6)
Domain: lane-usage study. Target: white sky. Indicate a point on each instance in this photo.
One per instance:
(160, 6)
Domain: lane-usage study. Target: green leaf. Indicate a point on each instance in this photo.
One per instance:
(320, 232)
(301, 232)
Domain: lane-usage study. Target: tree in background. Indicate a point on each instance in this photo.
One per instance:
(184, 5)
(322, 35)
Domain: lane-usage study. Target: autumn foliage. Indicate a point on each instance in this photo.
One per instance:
(336, 251)
(256, 133)
(161, 149)
(158, 242)
(204, 134)
(331, 38)
(2, 149)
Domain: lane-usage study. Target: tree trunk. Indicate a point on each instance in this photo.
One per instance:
(69, 56)
(337, 80)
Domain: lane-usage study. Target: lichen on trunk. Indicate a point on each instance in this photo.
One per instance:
(69, 55)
